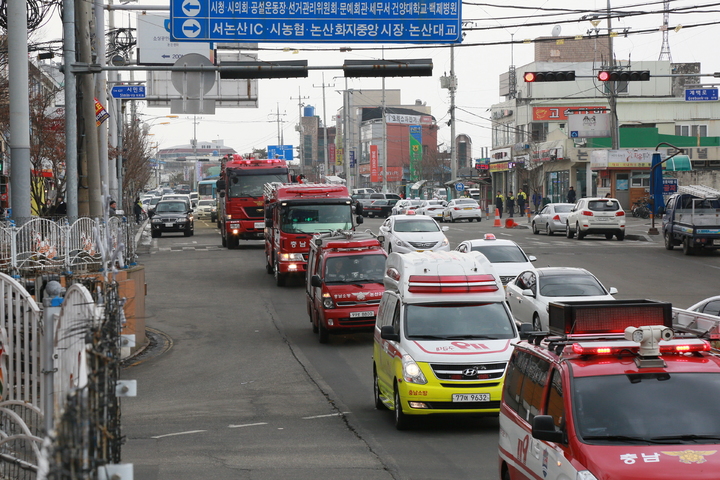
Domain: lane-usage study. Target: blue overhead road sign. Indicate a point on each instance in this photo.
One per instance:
(330, 21)
(128, 91)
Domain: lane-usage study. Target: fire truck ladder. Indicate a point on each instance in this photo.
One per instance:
(700, 191)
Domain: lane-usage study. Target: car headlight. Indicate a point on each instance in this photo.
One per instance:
(157, 220)
(412, 372)
(291, 257)
(444, 242)
(327, 301)
(585, 475)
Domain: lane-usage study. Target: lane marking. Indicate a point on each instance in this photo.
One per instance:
(325, 416)
(179, 433)
(247, 425)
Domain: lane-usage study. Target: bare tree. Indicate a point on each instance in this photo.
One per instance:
(136, 165)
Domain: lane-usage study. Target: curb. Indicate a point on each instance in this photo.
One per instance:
(158, 344)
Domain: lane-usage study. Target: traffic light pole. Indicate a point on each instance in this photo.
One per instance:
(612, 88)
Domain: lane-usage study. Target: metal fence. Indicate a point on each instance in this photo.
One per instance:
(43, 245)
(59, 410)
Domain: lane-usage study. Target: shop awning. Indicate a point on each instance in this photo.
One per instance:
(678, 163)
(417, 185)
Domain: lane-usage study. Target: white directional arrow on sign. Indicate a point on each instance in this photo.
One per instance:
(191, 28)
(191, 7)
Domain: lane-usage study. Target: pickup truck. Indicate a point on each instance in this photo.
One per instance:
(691, 218)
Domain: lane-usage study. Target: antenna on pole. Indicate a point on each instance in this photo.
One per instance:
(665, 49)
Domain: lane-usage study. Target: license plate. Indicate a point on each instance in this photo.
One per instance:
(259, 225)
(467, 208)
(419, 251)
(602, 219)
(471, 397)
(361, 314)
(169, 224)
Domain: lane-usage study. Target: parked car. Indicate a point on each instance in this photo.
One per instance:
(709, 306)
(506, 256)
(207, 208)
(532, 291)
(552, 218)
(462, 209)
(604, 216)
(362, 199)
(432, 208)
(379, 208)
(403, 206)
(413, 233)
(172, 216)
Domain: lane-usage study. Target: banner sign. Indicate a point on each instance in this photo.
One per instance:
(374, 171)
(100, 113)
(331, 154)
(562, 113)
(339, 157)
(415, 151)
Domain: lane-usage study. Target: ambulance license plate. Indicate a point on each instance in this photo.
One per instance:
(471, 397)
(259, 225)
(361, 314)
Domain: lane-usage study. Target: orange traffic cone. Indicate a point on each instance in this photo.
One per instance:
(510, 223)
(497, 218)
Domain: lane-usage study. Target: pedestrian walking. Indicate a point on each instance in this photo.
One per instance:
(499, 202)
(571, 196)
(510, 202)
(113, 208)
(537, 200)
(521, 201)
(61, 208)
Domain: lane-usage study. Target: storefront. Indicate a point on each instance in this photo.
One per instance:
(624, 174)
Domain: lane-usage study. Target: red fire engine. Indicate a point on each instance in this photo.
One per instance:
(293, 214)
(240, 188)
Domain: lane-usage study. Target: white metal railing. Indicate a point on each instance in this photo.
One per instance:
(48, 246)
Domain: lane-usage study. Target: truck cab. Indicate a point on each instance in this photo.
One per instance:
(691, 219)
(344, 283)
(443, 336)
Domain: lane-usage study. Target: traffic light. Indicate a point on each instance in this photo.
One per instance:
(421, 67)
(624, 76)
(270, 69)
(564, 76)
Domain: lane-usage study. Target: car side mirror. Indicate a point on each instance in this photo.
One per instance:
(543, 428)
(528, 293)
(613, 290)
(388, 333)
(268, 222)
(445, 228)
(358, 208)
(532, 258)
(315, 281)
(525, 330)
(359, 219)
(220, 184)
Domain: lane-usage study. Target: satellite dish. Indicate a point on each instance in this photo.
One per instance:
(556, 31)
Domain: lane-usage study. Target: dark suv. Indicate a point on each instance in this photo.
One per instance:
(172, 216)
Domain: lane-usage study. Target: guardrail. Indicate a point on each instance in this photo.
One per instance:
(43, 246)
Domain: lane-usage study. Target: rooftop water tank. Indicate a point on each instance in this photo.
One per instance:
(309, 111)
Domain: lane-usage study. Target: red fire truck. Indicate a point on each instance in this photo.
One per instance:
(240, 187)
(293, 214)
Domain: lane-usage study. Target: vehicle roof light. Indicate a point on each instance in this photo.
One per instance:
(593, 317)
(490, 236)
(393, 273)
(452, 284)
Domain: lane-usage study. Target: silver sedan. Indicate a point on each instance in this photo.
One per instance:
(551, 218)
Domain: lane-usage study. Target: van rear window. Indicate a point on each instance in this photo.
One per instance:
(604, 206)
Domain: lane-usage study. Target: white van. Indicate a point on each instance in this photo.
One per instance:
(443, 336)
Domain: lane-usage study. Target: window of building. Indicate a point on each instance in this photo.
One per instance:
(640, 179)
(691, 130)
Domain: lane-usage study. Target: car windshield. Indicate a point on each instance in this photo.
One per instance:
(251, 185)
(603, 205)
(458, 321)
(416, 225)
(175, 207)
(658, 407)
(570, 286)
(316, 218)
(563, 208)
(206, 202)
(154, 201)
(355, 269)
(501, 253)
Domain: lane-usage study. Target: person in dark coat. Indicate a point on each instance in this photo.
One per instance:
(571, 196)
(137, 210)
(61, 208)
(499, 201)
(510, 202)
(521, 201)
(537, 200)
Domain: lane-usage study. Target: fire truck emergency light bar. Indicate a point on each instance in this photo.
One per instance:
(607, 316)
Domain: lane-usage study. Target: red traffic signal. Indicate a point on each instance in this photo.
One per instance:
(564, 76)
(624, 76)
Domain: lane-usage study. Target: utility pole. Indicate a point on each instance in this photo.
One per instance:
(384, 140)
(326, 153)
(71, 137)
(453, 87)
(301, 153)
(612, 88)
(277, 118)
(101, 95)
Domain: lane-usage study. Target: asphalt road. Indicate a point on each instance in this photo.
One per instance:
(245, 391)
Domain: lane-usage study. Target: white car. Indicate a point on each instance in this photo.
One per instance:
(413, 233)
(529, 295)
(552, 218)
(604, 216)
(207, 208)
(432, 208)
(506, 256)
(403, 206)
(709, 306)
(462, 209)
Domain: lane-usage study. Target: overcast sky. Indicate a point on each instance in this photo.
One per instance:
(484, 54)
